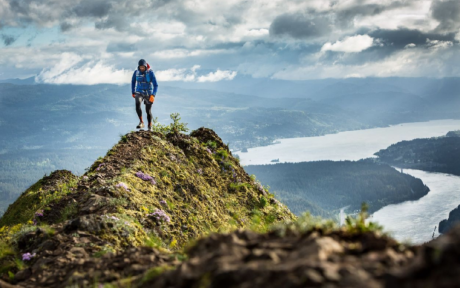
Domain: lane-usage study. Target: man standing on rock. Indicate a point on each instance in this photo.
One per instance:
(144, 88)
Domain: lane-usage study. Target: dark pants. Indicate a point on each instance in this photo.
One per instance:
(148, 107)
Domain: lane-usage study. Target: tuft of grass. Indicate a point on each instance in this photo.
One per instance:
(153, 241)
(123, 138)
(304, 223)
(211, 144)
(359, 224)
(239, 186)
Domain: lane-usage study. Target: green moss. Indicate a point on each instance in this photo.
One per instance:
(155, 272)
(45, 191)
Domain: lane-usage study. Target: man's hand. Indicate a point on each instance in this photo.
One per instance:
(152, 98)
(134, 95)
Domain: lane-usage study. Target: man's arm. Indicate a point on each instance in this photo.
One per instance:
(133, 82)
(154, 82)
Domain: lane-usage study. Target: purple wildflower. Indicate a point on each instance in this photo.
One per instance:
(146, 177)
(100, 166)
(209, 150)
(260, 187)
(160, 215)
(200, 171)
(27, 256)
(173, 158)
(163, 202)
(122, 185)
(85, 177)
(39, 213)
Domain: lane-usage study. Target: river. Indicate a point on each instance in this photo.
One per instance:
(412, 221)
(350, 145)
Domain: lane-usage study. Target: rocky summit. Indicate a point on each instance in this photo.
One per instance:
(177, 210)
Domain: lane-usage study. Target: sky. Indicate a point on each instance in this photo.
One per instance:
(101, 41)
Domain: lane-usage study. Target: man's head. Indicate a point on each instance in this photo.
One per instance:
(142, 66)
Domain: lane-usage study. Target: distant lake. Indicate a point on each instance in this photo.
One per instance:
(350, 145)
(413, 220)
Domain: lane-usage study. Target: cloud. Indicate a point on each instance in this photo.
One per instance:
(256, 38)
(447, 12)
(300, 25)
(217, 76)
(182, 53)
(399, 38)
(74, 69)
(404, 63)
(121, 47)
(8, 39)
(190, 75)
(347, 11)
(437, 44)
(182, 74)
(351, 44)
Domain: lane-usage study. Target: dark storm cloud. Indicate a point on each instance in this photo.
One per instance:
(121, 47)
(388, 43)
(447, 13)
(346, 16)
(398, 39)
(25, 12)
(96, 9)
(118, 22)
(300, 25)
(65, 26)
(319, 23)
(8, 39)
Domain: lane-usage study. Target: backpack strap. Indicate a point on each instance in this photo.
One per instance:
(147, 76)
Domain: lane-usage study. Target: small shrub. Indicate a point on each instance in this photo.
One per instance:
(175, 127)
(123, 138)
(359, 223)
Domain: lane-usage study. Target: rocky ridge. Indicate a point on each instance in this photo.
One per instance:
(178, 210)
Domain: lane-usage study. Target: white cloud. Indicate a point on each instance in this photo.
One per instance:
(182, 74)
(405, 63)
(182, 53)
(351, 44)
(217, 76)
(438, 44)
(189, 75)
(410, 45)
(87, 74)
(74, 69)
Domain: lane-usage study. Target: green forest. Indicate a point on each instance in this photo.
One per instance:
(323, 187)
(438, 154)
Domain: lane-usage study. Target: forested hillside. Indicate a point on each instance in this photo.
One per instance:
(332, 185)
(438, 154)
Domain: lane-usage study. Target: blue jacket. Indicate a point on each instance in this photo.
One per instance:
(140, 84)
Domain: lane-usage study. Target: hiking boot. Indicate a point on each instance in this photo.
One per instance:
(150, 127)
(141, 125)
